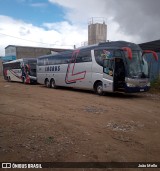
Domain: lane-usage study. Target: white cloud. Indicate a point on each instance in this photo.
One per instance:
(38, 4)
(126, 20)
(63, 34)
(80, 11)
(136, 21)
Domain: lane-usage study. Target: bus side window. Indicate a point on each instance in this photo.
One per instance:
(50, 60)
(72, 60)
(108, 66)
(18, 65)
(79, 57)
(15, 65)
(117, 53)
(67, 59)
(99, 57)
(102, 54)
(40, 61)
(84, 56)
(87, 56)
(64, 59)
(57, 60)
(46, 61)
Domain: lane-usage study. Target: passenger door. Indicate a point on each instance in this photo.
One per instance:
(108, 74)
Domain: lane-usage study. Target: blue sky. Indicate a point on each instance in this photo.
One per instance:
(32, 11)
(27, 22)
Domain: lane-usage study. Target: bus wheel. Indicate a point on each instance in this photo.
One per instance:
(99, 88)
(9, 79)
(23, 80)
(53, 84)
(47, 83)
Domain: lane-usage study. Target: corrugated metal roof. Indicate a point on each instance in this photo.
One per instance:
(153, 45)
(53, 49)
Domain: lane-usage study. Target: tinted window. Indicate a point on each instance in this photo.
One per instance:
(66, 58)
(117, 53)
(34, 62)
(84, 56)
(102, 54)
(51, 60)
(108, 66)
(40, 61)
(15, 65)
(59, 59)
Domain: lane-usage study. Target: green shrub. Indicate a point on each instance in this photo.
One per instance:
(155, 86)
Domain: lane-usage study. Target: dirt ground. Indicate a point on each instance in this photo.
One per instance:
(38, 124)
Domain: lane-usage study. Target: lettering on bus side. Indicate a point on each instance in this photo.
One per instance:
(52, 68)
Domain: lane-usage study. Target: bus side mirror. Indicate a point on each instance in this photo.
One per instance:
(153, 53)
(129, 52)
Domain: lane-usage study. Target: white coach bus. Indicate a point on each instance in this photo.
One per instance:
(20, 70)
(106, 67)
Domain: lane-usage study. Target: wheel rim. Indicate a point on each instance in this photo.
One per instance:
(99, 89)
(53, 84)
(47, 83)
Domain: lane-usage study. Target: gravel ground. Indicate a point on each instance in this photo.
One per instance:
(38, 124)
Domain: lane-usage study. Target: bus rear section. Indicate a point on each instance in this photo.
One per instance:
(21, 70)
(12, 70)
(30, 69)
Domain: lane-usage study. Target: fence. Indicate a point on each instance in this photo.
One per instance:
(154, 66)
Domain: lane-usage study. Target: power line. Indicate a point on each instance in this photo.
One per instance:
(32, 40)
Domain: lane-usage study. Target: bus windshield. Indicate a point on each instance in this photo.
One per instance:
(137, 66)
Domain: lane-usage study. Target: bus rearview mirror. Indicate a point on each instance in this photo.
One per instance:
(129, 52)
(153, 53)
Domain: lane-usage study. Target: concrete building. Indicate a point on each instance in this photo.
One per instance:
(153, 45)
(13, 52)
(18, 52)
(97, 31)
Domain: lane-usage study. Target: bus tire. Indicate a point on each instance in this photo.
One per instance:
(23, 80)
(9, 78)
(47, 83)
(53, 84)
(99, 88)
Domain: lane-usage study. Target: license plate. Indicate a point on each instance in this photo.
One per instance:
(141, 89)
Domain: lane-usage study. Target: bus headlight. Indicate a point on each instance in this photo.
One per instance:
(149, 84)
(130, 85)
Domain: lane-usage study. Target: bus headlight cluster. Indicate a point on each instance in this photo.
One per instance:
(130, 85)
(149, 84)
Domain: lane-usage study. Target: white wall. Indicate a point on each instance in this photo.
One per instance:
(10, 51)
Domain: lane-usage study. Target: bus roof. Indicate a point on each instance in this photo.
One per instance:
(121, 44)
(17, 60)
(109, 45)
(113, 45)
(20, 60)
(60, 53)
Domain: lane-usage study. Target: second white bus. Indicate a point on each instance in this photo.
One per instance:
(20, 70)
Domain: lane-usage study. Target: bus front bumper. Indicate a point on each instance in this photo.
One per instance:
(136, 89)
(136, 85)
